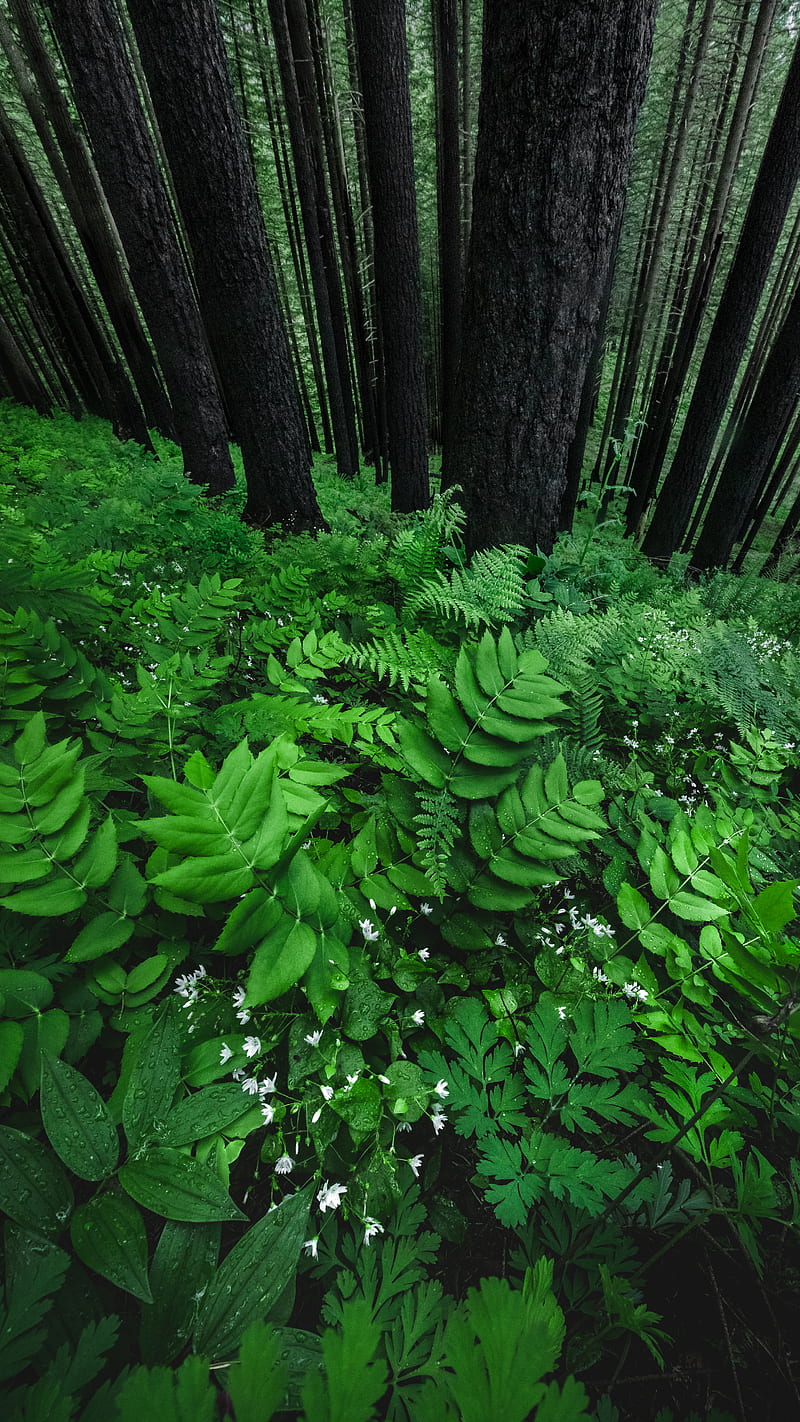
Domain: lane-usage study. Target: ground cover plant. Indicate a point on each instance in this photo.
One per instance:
(399, 978)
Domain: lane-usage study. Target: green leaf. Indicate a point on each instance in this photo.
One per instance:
(632, 908)
(30, 744)
(257, 1381)
(48, 901)
(663, 880)
(208, 880)
(254, 918)
(177, 1187)
(446, 721)
(76, 1120)
(108, 1235)
(352, 1383)
(423, 754)
(774, 906)
(98, 860)
(183, 1263)
(104, 934)
(279, 962)
(153, 1080)
(11, 1038)
(203, 1114)
(252, 1277)
(695, 909)
(34, 1191)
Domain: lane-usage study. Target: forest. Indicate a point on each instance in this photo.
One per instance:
(399, 710)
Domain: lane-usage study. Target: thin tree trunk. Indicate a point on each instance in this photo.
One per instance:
(448, 189)
(383, 57)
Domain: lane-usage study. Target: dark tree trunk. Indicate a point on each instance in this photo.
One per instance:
(383, 56)
(449, 208)
(306, 144)
(87, 205)
(769, 203)
(753, 447)
(21, 381)
(105, 92)
(184, 59)
(561, 90)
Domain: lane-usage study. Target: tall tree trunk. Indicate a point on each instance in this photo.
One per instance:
(753, 448)
(184, 59)
(310, 180)
(766, 213)
(561, 90)
(93, 46)
(448, 189)
(383, 57)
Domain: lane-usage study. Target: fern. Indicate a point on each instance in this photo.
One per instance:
(400, 657)
(438, 821)
(492, 590)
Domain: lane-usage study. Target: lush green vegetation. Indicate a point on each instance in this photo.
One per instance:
(398, 969)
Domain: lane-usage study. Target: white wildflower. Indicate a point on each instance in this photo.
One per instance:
(243, 1016)
(268, 1085)
(329, 1197)
(250, 1085)
(252, 1046)
(313, 1038)
(415, 1162)
(441, 1088)
(267, 1113)
(370, 932)
(239, 995)
(225, 1054)
(418, 1017)
(284, 1165)
(426, 909)
(371, 1228)
(438, 1121)
(424, 954)
(310, 1246)
(327, 1092)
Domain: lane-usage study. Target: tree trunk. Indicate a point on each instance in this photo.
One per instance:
(186, 67)
(103, 85)
(561, 90)
(383, 57)
(449, 210)
(769, 203)
(753, 448)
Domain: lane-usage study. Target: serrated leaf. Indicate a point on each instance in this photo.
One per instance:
(77, 1122)
(177, 1187)
(108, 1235)
(50, 900)
(252, 1277)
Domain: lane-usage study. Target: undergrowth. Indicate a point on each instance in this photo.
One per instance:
(398, 963)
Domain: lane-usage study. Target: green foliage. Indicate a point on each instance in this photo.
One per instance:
(472, 878)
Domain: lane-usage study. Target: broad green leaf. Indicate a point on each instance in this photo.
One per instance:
(177, 1187)
(209, 880)
(663, 880)
(482, 784)
(446, 721)
(24, 866)
(77, 1122)
(279, 962)
(632, 908)
(202, 1114)
(153, 1081)
(24, 991)
(127, 892)
(53, 816)
(11, 1038)
(101, 935)
(424, 756)
(774, 906)
(695, 909)
(30, 744)
(50, 900)
(251, 921)
(108, 1235)
(252, 1277)
(487, 667)
(184, 1260)
(34, 1191)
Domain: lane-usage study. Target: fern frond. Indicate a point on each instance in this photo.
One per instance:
(401, 657)
(439, 824)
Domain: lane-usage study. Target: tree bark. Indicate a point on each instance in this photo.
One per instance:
(562, 86)
(183, 55)
(93, 46)
(383, 57)
(769, 203)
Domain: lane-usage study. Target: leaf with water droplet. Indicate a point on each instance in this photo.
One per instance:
(153, 1080)
(184, 1261)
(34, 1191)
(177, 1187)
(108, 1235)
(252, 1276)
(77, 1122)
